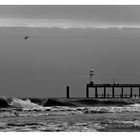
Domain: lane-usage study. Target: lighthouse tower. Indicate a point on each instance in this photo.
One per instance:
(91, 76)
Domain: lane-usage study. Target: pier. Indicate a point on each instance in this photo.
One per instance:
(105, 86)
(113, 86)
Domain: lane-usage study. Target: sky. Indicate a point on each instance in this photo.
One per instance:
(65, 43)
(70, 16)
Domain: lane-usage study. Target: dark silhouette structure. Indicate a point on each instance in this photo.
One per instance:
(105, 86)
(112, 86)
(67, 92)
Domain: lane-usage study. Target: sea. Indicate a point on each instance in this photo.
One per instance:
(23, 115)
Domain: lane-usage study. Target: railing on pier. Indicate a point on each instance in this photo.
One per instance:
(113, 86)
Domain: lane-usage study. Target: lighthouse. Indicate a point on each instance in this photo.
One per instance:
(91, 76)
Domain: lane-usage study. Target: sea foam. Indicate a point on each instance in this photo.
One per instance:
(23, 103)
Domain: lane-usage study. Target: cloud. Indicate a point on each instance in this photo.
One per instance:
(61, 23)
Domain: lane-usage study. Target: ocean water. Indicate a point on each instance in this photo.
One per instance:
(24, 115)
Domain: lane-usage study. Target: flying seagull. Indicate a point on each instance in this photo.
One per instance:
(26, 37)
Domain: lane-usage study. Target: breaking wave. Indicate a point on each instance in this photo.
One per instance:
(23, 103)
(4, 102)
(83, 110)
(27, 105)
(113, 109)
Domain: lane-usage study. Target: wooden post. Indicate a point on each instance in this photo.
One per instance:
(87, 91)
(67, 92)
(112, 92)
(121, 92)
(131, 94)
(104, 91)
(139, 92)
(96, 92)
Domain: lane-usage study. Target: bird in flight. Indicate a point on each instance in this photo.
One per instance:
(26, 37)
